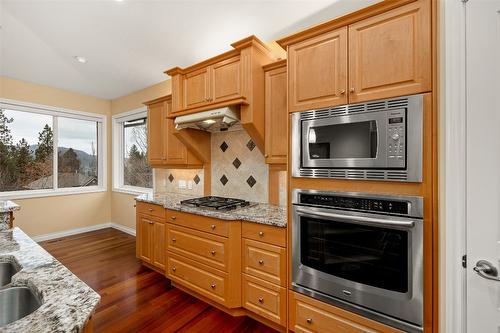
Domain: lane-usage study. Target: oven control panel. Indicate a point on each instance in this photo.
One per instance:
(356, 203)
(396, 138)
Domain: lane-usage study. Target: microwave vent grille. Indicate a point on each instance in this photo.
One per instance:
(397, 103)
(355, 174)
(397, 175)
(376, 106)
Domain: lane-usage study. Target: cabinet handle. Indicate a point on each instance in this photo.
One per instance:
(212, 252)
(212, 286)
(351, 90)
(261, 300)
(150, 209)
(173, 218)
(266, 155)
(261, 262)
(212, 227)
(174, 269)
(174, 240)
(151, 222)
(309, 320)
(341, 91)
(261, 233)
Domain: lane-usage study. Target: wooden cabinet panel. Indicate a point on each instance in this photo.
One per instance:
(156, 133)
(200, 246)
(196, 88)
(264, 233)
(150, 209)
(276, 116)
(176, 152)
(265, 299)
(158, 245)
(390, 54)
(144, 238)
(265, 261)
(317, 70)
(202, 223)
(225, 80)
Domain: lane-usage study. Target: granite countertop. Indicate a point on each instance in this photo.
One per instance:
(7, 206)
(67, 302)
(257, 213)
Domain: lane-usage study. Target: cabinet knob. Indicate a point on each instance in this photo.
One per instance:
(174, 269)
(135, 205)
(309, 320)
(341, 91)
(261, 300)
(351, 90)
(261, 262)
(212, 252)
(173, 218)
(151, 222)
(212, 227)
(261, 233)
(266, 155)
(150, 209)
(212, 286)
(174, 240)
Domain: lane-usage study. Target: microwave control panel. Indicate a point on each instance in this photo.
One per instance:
(396, 138)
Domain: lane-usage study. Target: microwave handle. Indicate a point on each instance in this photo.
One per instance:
(359, 219)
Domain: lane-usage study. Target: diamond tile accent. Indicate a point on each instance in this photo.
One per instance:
(236, 163)
(224, 146)
(250, 145)
(171, 178)
(224, 180)
(196, 179)
(251, 181)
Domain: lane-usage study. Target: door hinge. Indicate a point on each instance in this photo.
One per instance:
(464, 261)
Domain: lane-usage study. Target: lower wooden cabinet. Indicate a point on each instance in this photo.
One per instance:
(265, 261)
(268, 300)
(150, 238)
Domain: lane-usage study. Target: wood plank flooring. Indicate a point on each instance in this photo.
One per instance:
(133, 297)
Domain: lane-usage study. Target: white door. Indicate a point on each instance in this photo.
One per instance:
(483, 165)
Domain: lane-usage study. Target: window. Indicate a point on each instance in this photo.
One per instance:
(131, 172)
(49, 151)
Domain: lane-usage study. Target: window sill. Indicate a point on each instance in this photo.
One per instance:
(132, 190)
(49, 193)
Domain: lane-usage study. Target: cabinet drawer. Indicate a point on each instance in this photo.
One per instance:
(198, 222)
(264, 261)
(265, 299)
(264, 233)
(150, 209)
(200, 246)
(197, 278)
(309, 315)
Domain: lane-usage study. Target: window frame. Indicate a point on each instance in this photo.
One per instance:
(118, 166)
(55, 112)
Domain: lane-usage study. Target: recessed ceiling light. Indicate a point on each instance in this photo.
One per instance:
(80, 59)
(119, 0)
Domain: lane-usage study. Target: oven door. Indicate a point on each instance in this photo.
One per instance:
(367, 263)
(345, 142)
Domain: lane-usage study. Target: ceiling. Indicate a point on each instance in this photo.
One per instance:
(129, 44)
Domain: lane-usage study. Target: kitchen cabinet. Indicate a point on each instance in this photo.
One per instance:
(144, 237)
(317, 71)
(390, 54)
(225, 80)
(150, 235)
(196, 88)
(164, 148)
(276, 114)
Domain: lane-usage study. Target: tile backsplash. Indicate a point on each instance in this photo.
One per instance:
(167, 180)
(238, 167)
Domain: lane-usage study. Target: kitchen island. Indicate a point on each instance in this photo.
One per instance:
(67, 303)
(7, 209)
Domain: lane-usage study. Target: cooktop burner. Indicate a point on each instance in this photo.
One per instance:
(216, 203)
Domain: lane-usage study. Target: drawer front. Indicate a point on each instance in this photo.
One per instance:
(198, 222)
(150, 209)
(200, 246)
(198, 279)
(265, 299)
(265, 261)
(264, 233)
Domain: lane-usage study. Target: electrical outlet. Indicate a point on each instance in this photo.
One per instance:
(182, 184)
(190, 185)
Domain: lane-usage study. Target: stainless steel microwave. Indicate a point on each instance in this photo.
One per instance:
(377, 140)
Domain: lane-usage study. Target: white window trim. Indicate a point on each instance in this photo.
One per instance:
(68, 113)
(117, 121)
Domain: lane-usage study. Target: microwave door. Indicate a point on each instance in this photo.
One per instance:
(345, 142)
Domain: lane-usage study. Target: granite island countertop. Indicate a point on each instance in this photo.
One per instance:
(7, 206)
(67, 302)
(258, 212)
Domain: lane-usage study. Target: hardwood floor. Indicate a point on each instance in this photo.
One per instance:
(135, 298)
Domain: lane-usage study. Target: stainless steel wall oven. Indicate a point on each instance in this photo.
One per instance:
(379, 140)
(362, 252)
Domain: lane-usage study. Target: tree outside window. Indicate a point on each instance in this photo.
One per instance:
(136, 170)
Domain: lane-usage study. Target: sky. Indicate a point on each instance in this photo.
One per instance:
(73, 133)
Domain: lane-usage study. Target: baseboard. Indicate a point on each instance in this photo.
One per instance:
(82, 230)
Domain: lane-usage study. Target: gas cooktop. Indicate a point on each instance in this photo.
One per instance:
(216, 203)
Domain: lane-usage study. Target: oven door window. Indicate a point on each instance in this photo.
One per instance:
(340, 141)
(365, 254)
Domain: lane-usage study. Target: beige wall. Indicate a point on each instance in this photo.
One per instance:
(39, 216)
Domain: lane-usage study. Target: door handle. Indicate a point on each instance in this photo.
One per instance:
(485, 269)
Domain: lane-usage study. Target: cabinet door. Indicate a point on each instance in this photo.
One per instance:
(158, 245)
(317, 70)
(225, 80)
(144, 238)
(196, 88)
(390, 54)
(276, 145)
(176, 152)
(156, 132)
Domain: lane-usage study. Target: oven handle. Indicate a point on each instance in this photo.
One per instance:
(359, 219)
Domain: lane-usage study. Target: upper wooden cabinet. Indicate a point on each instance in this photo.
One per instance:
(276, 117)
(380, 52)
(232, 78)
(164, 148)
(390, 54)
(318, 71)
